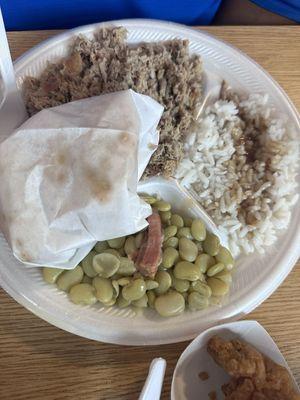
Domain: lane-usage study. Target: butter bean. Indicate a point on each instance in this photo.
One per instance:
(126, 267)
(149, 199)
(204, 261)
(106, 265)
(101, 246)
(187, 270)
(104, 289)
(151, 298)
(187, 249)
(218, 287)
(121, 302)
(169, 304)
(116, 243)
(130, 246)
(171, 242)
(70, 278)
(110, 303)
(162, 205)
(113, 252)
(50, 275)
(142, 302)
(184, 232)
(180, 285)
(169, 232)
(164, 282)
(123, 281)
(87, 264)
(83, 293)
(201, 288)
(215, 269)
(225, 276)
(177, 220)
(211, 244)
(134, 290)
(116, 288)
(169, 257)
(197, 302)
(151, 284)
(165, 216)
(198, 230)
(224, 256)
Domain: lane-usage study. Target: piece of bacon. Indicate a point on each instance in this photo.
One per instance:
(149, 255)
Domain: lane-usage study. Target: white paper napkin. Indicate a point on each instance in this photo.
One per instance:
(69, 176)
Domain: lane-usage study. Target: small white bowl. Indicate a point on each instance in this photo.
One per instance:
(186, 384)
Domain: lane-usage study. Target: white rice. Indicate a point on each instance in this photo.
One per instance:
(249, 199)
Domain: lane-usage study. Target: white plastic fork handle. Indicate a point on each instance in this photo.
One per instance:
(12, 111)
(154, 381)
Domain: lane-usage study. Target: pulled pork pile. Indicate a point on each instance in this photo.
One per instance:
(163, 70)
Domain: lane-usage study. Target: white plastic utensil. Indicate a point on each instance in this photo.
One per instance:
(12, 108)
(154, 381)
(186, 384)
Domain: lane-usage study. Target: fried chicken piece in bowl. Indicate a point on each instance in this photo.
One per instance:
(254, 376)
(241, 361)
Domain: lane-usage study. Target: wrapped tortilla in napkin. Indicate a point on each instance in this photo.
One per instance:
(69, 177)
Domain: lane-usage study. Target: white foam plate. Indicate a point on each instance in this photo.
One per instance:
(256, 277)
(186, 384)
